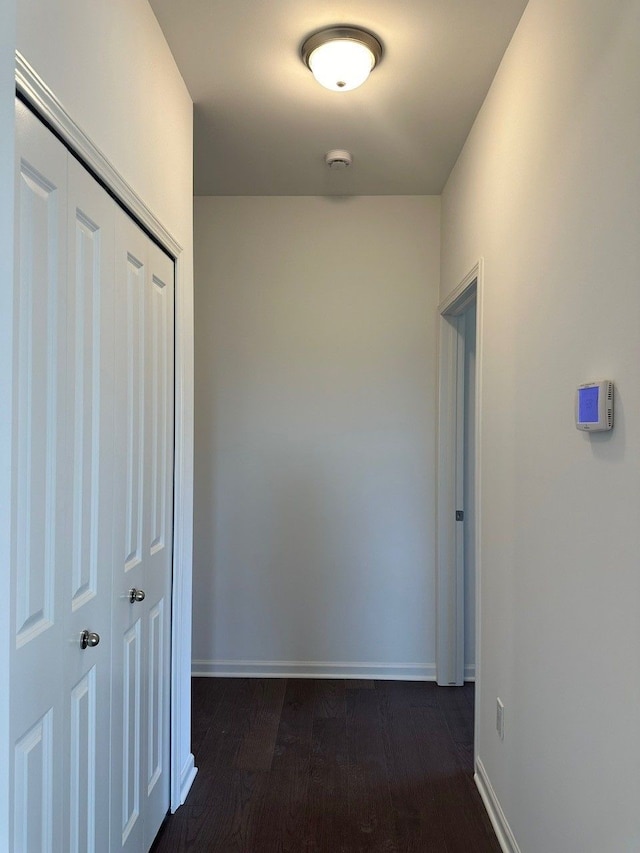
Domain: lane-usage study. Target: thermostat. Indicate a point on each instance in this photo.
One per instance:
(594, 406)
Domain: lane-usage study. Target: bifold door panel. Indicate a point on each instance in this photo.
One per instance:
(144, 474)
(92, 460)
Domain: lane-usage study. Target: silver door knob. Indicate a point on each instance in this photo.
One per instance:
(89, 639)
(136, 595)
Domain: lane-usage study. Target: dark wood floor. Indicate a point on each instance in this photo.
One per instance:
(319, 766)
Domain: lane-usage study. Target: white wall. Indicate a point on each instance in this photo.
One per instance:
(547, 189)
(7, 153)
(315, 420)
(110, 66)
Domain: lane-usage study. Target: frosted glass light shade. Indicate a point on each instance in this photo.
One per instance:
(341, 58)
(341, 65)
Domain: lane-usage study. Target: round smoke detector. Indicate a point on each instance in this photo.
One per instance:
(337, 158)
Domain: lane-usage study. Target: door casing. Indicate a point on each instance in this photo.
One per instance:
(449, 532)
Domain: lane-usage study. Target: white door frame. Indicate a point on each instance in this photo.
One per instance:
(44, 102)
(450, 547)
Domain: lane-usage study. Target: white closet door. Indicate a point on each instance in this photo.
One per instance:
(87, 584)
(158, 534)
(143, 536)
(92, 510)
(63, 508)
(41, 552)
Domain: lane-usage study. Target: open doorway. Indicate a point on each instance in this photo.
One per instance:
(458, 483)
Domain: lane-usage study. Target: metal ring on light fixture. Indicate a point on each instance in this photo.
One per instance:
(356, 34)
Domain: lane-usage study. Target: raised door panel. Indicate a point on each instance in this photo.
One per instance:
(135, 277)
(85, 772)
(159, 297)
(85, 362)
(34, 788)
(131, 799)
(156, 684)
(40, 362)
(85, 317)
(41, 554)
(40, 387)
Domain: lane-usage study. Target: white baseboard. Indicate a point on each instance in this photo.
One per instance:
(506, 838)
(313, 669)
(187, 776)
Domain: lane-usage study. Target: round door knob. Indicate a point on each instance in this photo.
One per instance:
(136, 595)
(89, 639)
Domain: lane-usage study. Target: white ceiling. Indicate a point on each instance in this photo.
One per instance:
(262, 124)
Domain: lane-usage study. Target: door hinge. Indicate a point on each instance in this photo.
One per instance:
(459, 515)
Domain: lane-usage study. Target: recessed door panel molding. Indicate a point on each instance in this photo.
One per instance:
(131, 706)
(34, 788)
(83, 776)
(40, 364)
(156, 675)
(158, 370)
(85, 340)
(135, 367)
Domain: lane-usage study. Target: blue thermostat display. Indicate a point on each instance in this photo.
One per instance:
(594, 406)
(588, 404)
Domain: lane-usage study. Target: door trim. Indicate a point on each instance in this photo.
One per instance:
(449, 541)
(45, 104)
(43, 101)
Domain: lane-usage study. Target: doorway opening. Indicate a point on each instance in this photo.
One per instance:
(458, 509)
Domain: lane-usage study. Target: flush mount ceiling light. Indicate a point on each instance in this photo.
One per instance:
(341, 58)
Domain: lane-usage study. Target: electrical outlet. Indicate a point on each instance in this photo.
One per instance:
(500, 718)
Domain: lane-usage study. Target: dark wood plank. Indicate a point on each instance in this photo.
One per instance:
(328, 804)
(258, 744)
(457, 805)
(206, 697)
(227, 821)
(283, 818)
(402, 695)
(372, 824)
(327, 766)
(283, 826)
(293, 742)
(330, 698)
(222, 743)
(469, 691)
(413, 797)
(458, 716)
